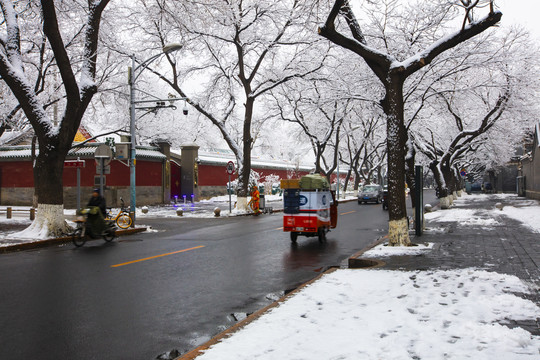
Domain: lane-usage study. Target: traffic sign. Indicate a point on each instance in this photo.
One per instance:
(463, 172)
(74, 163)
(106, 169)
(105, 152)
(230, 168)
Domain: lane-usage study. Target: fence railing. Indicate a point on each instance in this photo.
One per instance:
(9, 212)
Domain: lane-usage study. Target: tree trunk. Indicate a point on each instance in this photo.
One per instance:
(244, 191)
(441, 186)
(398, 230)
(411, 177)
(48, 170)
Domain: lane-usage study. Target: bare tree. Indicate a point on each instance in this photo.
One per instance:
(54, 140)
(320, 117)
(241, 51)
(365, 147)
(392, 73)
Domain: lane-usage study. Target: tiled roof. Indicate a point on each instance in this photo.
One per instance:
(24, 152)
(221, 158)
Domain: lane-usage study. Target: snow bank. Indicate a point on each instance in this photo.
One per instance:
(380, 314)
(385, 251)
(529, 215)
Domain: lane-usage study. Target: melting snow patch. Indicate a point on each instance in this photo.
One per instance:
(384, 250)
(529, 215)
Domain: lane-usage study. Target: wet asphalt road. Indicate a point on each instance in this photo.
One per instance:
(177, 287)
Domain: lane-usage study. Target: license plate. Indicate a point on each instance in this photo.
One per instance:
(299, 229)
(366, 197)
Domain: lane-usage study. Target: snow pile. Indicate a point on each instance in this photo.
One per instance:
(380, 314)
(464, 217)
(383, 250)
(529, 215)
(526, 211)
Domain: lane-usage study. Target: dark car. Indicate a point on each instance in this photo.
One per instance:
(476, 187)
(370, 193)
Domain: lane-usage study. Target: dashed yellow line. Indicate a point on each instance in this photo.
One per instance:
(346, 213)
(280, 228)
(157, 256)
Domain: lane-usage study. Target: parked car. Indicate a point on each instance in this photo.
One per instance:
(370, 193)
(476, 187)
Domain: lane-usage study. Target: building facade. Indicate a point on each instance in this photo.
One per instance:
(529, 179)
(162, 174)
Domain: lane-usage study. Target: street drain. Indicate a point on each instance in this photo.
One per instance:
(359, 263)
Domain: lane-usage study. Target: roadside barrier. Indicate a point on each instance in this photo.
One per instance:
(9, 212)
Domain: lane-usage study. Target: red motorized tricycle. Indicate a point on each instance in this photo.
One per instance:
(310, 208)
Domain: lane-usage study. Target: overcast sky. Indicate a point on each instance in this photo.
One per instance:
(524, 12)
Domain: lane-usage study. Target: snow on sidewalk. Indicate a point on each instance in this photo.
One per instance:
(382, 314)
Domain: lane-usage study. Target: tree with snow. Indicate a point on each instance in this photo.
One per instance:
(392, 72)
(72, 43)
(488, 89)
(237, 52)
(365, 146)
(320, 114)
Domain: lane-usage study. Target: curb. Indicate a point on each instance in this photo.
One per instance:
(193, 354)
(57, 241)
(356, 262)
(241, 324)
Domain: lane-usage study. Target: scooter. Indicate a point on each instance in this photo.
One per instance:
(85, 230)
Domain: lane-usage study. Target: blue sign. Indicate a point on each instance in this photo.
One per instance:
(323, 199)
(303, 200)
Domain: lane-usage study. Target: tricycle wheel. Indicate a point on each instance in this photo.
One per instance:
(294, 236)
(322, 234)
(77, 238)
(109, 235)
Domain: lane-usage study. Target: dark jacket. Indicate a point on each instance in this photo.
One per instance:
(99, 201)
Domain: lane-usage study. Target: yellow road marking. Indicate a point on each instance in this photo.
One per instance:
(346, 213)
(280, 228)
(157, 256)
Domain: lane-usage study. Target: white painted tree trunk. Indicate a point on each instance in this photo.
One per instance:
(241, 203)
(455, 195)
(398, 233)
(459, 193)
(49, 223)
(445, 202)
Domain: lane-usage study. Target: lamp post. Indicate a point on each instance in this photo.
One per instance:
(132, 76)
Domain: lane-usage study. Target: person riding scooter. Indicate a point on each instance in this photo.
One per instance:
(96, 214)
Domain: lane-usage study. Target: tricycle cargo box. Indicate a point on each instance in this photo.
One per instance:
(314, 182)
(290, 183)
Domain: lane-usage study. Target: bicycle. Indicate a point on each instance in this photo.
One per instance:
(122, 219)
(253, 204)
(83, 230)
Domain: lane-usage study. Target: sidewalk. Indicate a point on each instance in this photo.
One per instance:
(470, 290)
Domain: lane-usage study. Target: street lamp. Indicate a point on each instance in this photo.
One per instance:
(132, 75)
